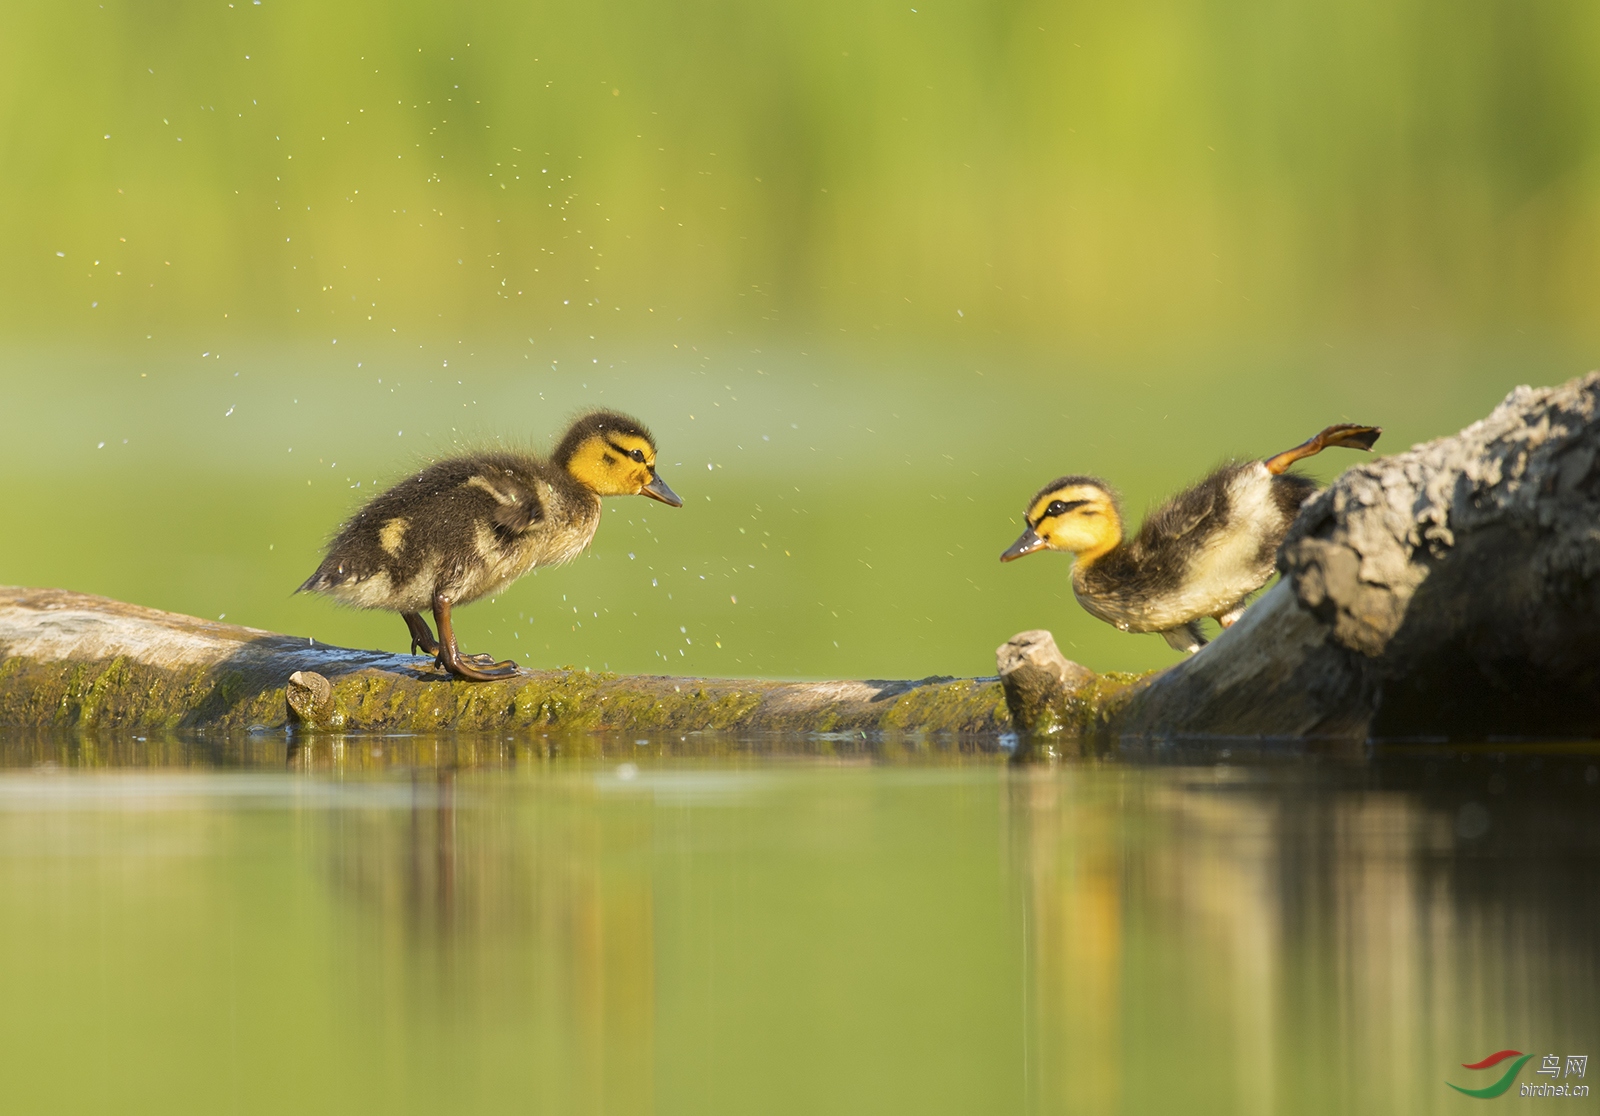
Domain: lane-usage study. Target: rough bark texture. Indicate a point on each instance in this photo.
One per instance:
(1452, 591)
(73, 660)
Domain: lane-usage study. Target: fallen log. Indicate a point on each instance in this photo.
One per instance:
(73, 660)
(1449, 592)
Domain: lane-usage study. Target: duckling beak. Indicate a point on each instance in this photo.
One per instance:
(1026, 543)
(657, 490)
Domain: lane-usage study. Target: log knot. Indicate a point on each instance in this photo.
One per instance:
(310, 697)
(1039, 681)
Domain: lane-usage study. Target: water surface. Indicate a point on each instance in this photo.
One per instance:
(705, 925)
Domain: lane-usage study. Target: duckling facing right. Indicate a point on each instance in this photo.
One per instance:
(1200, 554)
(468, 526)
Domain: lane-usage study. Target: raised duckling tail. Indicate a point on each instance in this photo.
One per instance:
(1344, 434)
(316, 583)
(329, 574)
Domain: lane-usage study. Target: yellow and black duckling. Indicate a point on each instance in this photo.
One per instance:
(1202, 553)
(468, 526)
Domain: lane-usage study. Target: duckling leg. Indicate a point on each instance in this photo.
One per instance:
(451, 658)
(421, 635)
(1187, 638)
(1231, 617)
(1342, 434)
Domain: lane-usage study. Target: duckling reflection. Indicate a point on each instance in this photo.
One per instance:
(1271, 925)
(1200, 554)
(475, 894)
(466, 527)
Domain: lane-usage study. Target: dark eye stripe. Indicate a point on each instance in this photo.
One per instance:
(635, 455)
(1058, 507)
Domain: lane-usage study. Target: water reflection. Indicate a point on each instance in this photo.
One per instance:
(596, 925)
(500, 911)
(1341, 938)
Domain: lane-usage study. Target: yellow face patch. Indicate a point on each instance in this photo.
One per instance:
(1081, 519)
(613, 464)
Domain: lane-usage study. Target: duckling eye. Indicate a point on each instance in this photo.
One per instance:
(1062, 507)
(637, 455)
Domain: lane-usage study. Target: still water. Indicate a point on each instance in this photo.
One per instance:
(704, 925)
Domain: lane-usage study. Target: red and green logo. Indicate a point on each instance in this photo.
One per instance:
(1506, 1079)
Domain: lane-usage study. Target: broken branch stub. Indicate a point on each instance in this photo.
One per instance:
(1040, 682)
(310, 697)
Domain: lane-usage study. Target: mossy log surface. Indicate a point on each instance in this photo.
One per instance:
(73, 660)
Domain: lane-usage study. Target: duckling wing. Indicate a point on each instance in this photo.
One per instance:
(450, 523)
(1184, 514)
(511, 520)
(475, 514)
(1177, 538)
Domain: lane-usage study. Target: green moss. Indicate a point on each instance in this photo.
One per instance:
(954, 705)
(124, 693)
(1091, 708)
(120, 693)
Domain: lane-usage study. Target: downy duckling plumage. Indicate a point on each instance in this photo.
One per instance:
(468, 526)
(1200, 554)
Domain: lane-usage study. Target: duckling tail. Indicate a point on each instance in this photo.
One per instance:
(1342, 434)
(320, 581)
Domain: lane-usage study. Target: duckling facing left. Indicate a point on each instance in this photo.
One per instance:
(468, 526)
(1200, 554)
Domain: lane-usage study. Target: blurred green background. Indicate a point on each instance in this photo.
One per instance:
(873, 273)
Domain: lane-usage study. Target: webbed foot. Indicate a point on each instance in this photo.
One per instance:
(1345, 434)
(1187, 638)
(473, 668)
